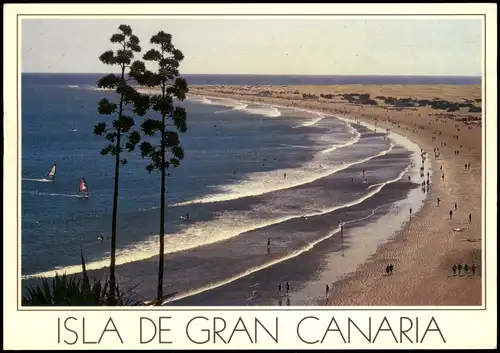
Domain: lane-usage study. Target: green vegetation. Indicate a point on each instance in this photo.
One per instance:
(168, 152)
(327, 96)
(435, 103)
(358, 98)
(121, 127)
(71, 290)
(74, 291)
(309, 96)
(265, 94)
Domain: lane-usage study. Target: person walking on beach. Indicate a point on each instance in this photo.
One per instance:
(454, 268)
(268, 245)
(391, 268)
(287, 287)
(279, 289)
(466, 268)
(327, 289)
(409, 179)
(442, 177)
(284, 176)
(410, 213)
(387, 269)
(439, 200)
(470, 217)
(473, 269)
(451, 213)
(459, 269)
(456, 205)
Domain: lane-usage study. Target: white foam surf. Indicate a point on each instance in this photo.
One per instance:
(266, 110)
(54, 194)
(354, 140)
(311, 122)
(254, 269)
(297, 146)
(204, 233)
(73, 86)
(263, 182)
(237, 107)
(38, 180)
(373, 186)
(270, 112)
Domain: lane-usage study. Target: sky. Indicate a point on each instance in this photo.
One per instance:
(321, 46)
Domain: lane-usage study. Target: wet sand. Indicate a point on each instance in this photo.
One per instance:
(424, 251)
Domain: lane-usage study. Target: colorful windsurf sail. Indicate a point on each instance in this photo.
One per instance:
(84, 187)
(52, 173)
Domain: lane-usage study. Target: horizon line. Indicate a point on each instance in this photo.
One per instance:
(242, 74)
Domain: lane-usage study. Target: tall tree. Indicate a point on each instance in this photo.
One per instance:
(171, 86)
(120, 133)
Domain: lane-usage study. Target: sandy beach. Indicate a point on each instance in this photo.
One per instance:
(425, 250)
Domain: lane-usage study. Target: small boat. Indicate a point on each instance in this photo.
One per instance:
(52, 173)
(84, 188)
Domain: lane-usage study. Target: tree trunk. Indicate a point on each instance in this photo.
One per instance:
(112, 278)
(162, 214)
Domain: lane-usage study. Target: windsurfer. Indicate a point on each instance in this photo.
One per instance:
(52, 174)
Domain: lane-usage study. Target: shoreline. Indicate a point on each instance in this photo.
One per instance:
(421, 278)
(370, 272)
(401, 224)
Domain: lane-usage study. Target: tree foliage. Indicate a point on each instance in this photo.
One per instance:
(120, 133)
(172, 119)
(172, 88)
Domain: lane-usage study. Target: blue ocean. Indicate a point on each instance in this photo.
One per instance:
(251, 173)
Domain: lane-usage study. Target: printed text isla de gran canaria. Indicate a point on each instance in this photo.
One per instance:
(202, 330)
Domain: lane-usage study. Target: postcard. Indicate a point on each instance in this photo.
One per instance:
(250, 176)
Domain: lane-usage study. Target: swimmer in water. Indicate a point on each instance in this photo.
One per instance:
(100, 237)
